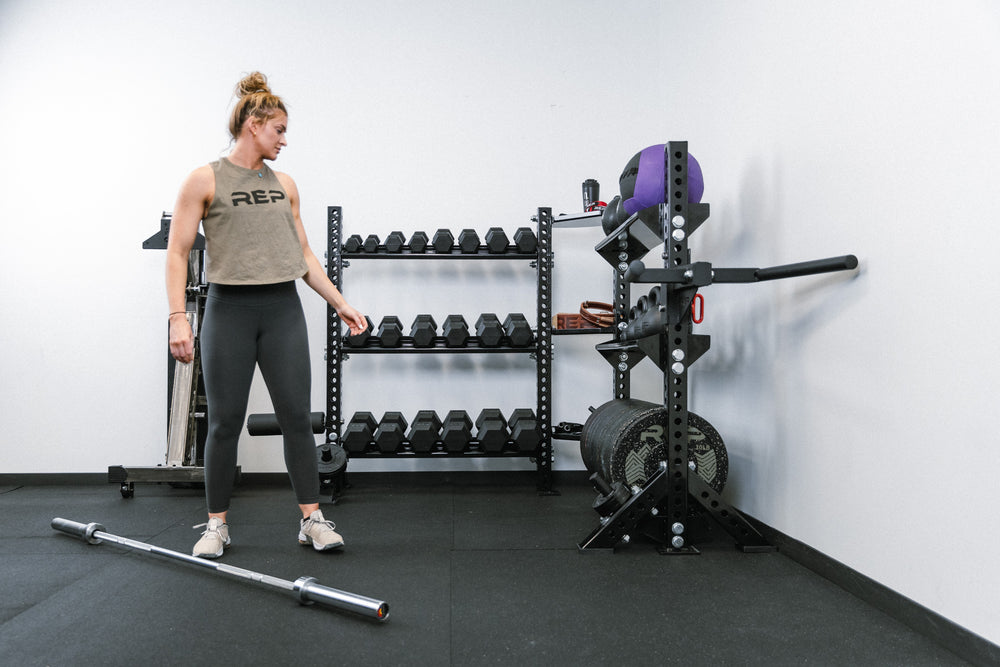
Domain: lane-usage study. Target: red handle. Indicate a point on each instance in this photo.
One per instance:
(698, 314)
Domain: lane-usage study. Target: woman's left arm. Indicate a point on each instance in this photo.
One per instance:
(315, 276)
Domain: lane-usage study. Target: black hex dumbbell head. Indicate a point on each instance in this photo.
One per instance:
(390, 331)
(371, 243)
(525, 239)
(394, 242)
(359, 432)
(391, 432)
(418, 242)
(489, 330)
(423, 330)
(359, 340)
(518, 330)
(496, 240)
(524, 429)
(456, 331)
(353, 243)
(443, 241)
(456, 431)
(425, 431)
(491, 430)
(468, 241)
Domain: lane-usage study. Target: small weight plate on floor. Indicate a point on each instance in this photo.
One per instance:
(330, 458)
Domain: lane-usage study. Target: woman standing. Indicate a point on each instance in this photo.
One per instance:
(256, 249)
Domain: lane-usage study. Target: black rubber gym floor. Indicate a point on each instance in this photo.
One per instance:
(477, 567)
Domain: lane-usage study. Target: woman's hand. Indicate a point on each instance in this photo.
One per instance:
(181, 339)
(354, 320)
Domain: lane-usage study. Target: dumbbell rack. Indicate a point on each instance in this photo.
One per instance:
(540, 351)
(660, 508)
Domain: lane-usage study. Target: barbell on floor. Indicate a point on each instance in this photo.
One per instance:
(305, 589)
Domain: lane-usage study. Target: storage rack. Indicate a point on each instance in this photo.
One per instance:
(541, 351)
(660, 508)
(674, 351)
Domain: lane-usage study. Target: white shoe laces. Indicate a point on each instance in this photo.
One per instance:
(325, 522)
(207, 529)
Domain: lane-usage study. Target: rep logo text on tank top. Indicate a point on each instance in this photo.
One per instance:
(257, 197)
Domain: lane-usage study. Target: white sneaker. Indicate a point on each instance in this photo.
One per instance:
(213, 540)
(319, 532)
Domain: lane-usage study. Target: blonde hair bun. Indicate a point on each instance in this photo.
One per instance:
(255, 82)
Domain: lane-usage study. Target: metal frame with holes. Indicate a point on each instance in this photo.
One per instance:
(541, 351)
(660, 508)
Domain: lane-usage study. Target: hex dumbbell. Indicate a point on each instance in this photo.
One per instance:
(425, 431)
(418, 242)
(394, 242)
(423, 330)
(456, 431)
(524, 429)
(443, 241)
(391, 432)
(371, 243)
(390, 331)
(489, 330)
(353, 243)
(518, 330)
(359, 340)
(491, 430)
(525, 239)
(496, 240)
(468, 241)
(456, 331)
(359, 432)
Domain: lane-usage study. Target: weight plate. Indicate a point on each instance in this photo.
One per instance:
(330, 458)
(624, 441)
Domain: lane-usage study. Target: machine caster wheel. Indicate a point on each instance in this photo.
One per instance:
(128, 489)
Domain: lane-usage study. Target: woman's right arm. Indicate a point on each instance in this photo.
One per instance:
(192, 205)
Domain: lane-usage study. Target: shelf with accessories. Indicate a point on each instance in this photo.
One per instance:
(526, 432)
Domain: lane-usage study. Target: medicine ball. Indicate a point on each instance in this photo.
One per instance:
(614, 215)
(642, 181)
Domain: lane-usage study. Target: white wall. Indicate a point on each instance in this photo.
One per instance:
(409, 115)
(858, 411)
(856, 408)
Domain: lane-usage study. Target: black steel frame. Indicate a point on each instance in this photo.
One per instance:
(541, 351)
(660, 508)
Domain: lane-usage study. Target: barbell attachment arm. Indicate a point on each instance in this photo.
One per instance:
(700, 274)
(305, 589)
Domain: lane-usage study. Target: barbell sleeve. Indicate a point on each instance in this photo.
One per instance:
(305, 589)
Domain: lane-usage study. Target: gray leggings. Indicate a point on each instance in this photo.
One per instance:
(245, 326)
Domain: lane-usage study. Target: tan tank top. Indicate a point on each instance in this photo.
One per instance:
(250, 236)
